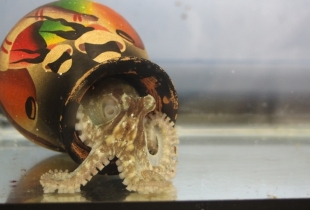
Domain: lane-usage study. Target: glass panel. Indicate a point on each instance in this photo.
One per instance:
(241, 70)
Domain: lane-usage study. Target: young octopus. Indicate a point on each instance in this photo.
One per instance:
(114, 121)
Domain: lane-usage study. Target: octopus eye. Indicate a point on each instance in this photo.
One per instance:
(102, 110)
(110, 108)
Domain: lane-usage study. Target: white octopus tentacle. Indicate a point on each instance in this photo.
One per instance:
(162, 141)
(99, 157)
(66, 182)
(148, 167)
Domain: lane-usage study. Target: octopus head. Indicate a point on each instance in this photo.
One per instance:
(112, 107)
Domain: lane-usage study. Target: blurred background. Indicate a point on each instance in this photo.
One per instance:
(242, 61)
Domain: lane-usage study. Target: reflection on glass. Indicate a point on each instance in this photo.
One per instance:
(100, 188)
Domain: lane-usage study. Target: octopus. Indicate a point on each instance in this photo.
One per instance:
(115, 121)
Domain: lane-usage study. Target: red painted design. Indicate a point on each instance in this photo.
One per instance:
(77, 17)
(42, 13)
(4, 50)
(26, 40)
(8, 42)
(39, 14)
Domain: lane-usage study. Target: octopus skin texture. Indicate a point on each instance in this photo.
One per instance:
(114, 121)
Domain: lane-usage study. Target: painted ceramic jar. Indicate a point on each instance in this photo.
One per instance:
(60, 52)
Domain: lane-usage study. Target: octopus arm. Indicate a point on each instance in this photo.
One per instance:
(145, 145)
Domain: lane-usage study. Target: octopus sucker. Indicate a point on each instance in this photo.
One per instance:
(115, 121)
